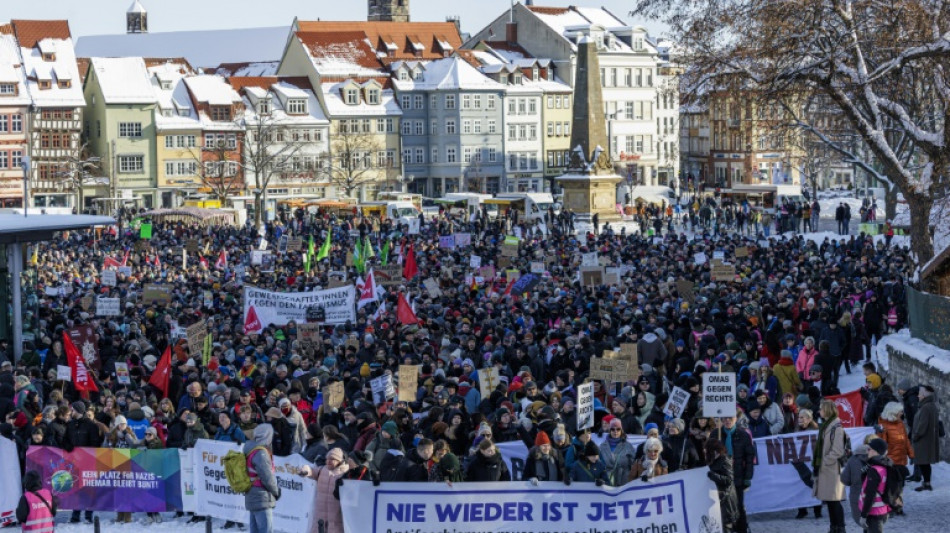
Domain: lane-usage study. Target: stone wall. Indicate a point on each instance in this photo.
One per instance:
(902, 365)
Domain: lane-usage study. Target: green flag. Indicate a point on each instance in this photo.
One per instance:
(368, 247)
(384, 255)
(325, 249)
(359, 256)
(306, 262)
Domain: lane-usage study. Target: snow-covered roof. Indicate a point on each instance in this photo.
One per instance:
(341, 53)
(201, 48)
(175, 110)
(573, 23)
(11, 71)
(337, 108)
(280, 90)
(396, 40)
(212, 89)
(448, 74)
(136, 7)
(63, 67)
(123, 80)
(248, 68)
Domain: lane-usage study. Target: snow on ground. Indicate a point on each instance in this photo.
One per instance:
(915, 348)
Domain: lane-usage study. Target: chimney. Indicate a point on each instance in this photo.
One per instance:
(511, 32)
(457, 21)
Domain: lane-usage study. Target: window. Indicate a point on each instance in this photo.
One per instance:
(478, 101)
(407, 155)
(467, 127)
(407, 127)
(451, 154)
(7, 89)
(16, 158)
(613, 77)
(450, 101)
(532, 106)
(492, 155)
(503, 79)
(491, 101)
(406, 101)
(220, 113)
(628, 77)
(209, 140)
(535, 73)
(419, 128)
(492, 126)
(551, 102)
(64, 84)
(380, 126)
(131, 164)
(466, 101)
(181, 168)
(352, 96)
(3, 160)
(4, 123)
(467, 155)
(403, 75)
(567, 102)
(533, 132)
(130, 129)
(521, 106)
(477, 126)
(297, 106)
(559, 129)
(434, 127)
(372, 96)
(420, 156)
(390, 125)
(16, 123)
(418, 101)
(434, 157)
(516, 79)
(45, 84)
(450, 128)
(433, 102)
(512, 132)
(567, 129)
(550, 129)
(169, 141)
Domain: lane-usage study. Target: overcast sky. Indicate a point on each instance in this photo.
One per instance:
(96, 17)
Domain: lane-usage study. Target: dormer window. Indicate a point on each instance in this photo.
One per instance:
(372, 96)
(220, 113)
(49, 56)
(516, 80)
(417, 75)
(263, 107)
(535, 74)
(503, 78)
(351, 96)
(168, 112)
(403, 75)
(45, 84)
(638, 43)
(297, 106)
(166, 85)
(184, 112)
(65, 84)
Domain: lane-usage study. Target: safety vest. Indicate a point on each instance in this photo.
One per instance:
(878, 508)
(252, 472)
(40, 518)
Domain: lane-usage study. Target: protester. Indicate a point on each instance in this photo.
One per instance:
(828, 451)
(721, 473)
(852, 476)
(262, 498)
(328, 507)
(36, 510)
(874, 510)
(925, 437)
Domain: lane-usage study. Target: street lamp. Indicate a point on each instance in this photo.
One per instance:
(25, 165)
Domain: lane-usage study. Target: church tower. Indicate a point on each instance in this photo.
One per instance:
(136, 18)
(388, 11)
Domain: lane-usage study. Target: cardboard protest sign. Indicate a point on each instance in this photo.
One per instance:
(700, 258)
(504, 262)
(509, 250)
(295, 245)
(447, 241)
(592, 276)
(537, 267)
(432, 287)
(86, 302)
(608, 370)
(408, 382)
(742, 251)
(589, 259)
(196, 334)
(611, 278)
(686, 290)
(585, 406)
(628, 351)
(719, 394)
(333, 394)
(677, 403)
(487, 272)
(108, 278)
(719, 255)
(388, 275)
(513, 274)
(723, 272)
(157, 293)
(191, 245)
(257, 257)
(145, 231)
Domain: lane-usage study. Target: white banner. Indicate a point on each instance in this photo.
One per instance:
(783, 472)
(10, 490)
(263, 308)
(215, 498)
(186, 459)
(681, 502)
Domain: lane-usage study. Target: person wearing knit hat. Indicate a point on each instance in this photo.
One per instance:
(651, 427)
(617, 453)
(874, 381)
(589, 468)
(387, 439)
(365, 370)
(542, 464)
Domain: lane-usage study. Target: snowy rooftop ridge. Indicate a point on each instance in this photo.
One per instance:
(123, 80)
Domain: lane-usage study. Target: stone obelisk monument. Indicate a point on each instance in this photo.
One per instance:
(589, 183)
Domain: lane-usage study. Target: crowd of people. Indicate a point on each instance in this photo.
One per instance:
(798, 314)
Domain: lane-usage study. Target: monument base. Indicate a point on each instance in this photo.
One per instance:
(589, 194)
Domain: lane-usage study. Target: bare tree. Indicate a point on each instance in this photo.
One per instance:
(219, 171)
(80, 170)
(269, 148)
(883, 65)
(356, 159)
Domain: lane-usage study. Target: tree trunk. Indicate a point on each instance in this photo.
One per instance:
(921, 243)
(257, 209)
(890, 202)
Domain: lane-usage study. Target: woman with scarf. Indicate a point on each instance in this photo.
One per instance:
(617, 454)
(328, 505)
(651, 464)
(828, 451)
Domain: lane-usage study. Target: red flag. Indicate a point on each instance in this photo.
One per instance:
(409, 270)
(222, 261)
(511, 284)
(367, 291)
(850, 408)
(109, 262)
(203, 262)
(157, 262)
(82, 379)
(162, 372)
(125, 259)
(251, 323)
(404, 311)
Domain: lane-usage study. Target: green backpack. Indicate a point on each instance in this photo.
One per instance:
(235, 470)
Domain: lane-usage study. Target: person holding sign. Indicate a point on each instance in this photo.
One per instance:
(328, 499)
(741, 449)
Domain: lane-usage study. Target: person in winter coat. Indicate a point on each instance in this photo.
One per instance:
(448, 469)
(874, 510)
(741, 449)
(758, 426)
(386, 439)
(771, 412)
(720, 472)
(651, 349)
(787, 375)
(588, 468)
(806, 357)
(36, 509)
(651, 464)
(890, 427)
(853, 474)
(297, 424)
(137, 420)
(195, 430)
(228, 431)
(828, 450)
(617, 454)
(542, 463)
(682, 452)
(283, 439)
(81, 432)
(328, 504)
(925, 436)
(806, 422)
(576, 450)
(120, 435)
(152, 442)
(262, 498)
(876, 396)
(366, 431)
(487, 465)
